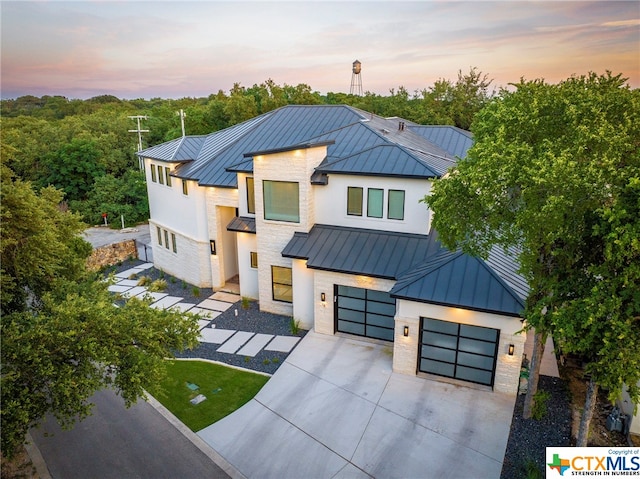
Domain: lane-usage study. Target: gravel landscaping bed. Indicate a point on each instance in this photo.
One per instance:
(529, 437)
(247, 319)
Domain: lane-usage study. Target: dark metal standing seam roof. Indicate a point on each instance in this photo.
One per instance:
(452, 139)
(242, 224)
(181, 149)
(425, 271)
(380, 254)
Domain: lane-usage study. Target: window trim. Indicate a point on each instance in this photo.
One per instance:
(253, 261)
(273, 284)
(389, 204)
(251, 196)
(354, 189)
(271, 217)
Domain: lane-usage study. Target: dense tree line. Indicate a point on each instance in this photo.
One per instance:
(85, 148)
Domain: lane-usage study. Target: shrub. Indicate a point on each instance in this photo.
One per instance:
(158, 285)
(195, 291)
(144, 281)
(295, 326)
(540, 399)
(245, 302)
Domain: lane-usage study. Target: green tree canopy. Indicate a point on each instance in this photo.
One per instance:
(554, 170)
(63, 337)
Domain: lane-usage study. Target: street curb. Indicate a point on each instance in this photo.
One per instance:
(36, 458)
(197, 441)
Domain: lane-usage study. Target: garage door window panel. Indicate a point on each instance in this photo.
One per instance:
(365, 312)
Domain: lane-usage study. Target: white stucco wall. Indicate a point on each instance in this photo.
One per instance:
(247, 243)
(331, 201)
(405, 355)
(303, 299)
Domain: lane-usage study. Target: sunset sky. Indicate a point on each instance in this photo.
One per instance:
(172, 49)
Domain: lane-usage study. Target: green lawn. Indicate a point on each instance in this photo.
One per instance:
(226, 390)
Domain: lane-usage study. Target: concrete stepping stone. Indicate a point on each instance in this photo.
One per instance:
(226, 297)
(128, 272)
(215, 336)
(205, 323)
(205, 313)
(214, 305)
(183, 307)
(283, 344)
(255, 345)
(135, 291)
(128, 282)
(166, 302)
(235, 342)
(116, 288)
(153, 295)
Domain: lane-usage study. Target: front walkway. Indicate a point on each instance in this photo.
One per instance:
(335, 409)
(230, 341)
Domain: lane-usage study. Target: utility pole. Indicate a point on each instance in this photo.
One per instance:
(182, 117)
(139, 131)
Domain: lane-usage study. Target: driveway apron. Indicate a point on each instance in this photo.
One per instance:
(335, 409)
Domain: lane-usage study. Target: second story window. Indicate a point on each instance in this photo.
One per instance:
(153, 173)
(354, 201)
(375, 202)
(168, 178)
(185, 190)
(251, 197)
(281, 201)
(396, 205)
(160, 175)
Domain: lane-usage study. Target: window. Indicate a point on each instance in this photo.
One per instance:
(282, 284)
(281, 201)
(173, 242)
(166, 171)
(354, 201)
(166, 239)
(396, 205)
(160, 175)
(251, 197)
(375, 202)
(254, 259)
(185, 191)
(159, 233)
(153, 173)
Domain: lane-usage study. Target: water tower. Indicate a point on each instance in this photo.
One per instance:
(356, 79)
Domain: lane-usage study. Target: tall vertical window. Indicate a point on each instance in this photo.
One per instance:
(159, 231)
(375, 202)
(354, 201)
(166, 239)
(254, 259)
(160, 175)
(396, 205)
(174, 243)
(282, 284)
(153, 172)
(251, 197)
(166, 172)
(281, 201)
(185, 190)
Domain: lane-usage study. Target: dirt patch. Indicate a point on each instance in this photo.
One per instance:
(20, 467)
(599, 436)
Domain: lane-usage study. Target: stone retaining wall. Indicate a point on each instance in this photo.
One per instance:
(112, 254)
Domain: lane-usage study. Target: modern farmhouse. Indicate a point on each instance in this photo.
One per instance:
(315, 211)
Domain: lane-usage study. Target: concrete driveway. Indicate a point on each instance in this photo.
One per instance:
(334, 409)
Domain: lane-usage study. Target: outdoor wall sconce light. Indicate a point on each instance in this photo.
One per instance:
(212, 243)
(322, 297)
(511, 349)
(406, 331)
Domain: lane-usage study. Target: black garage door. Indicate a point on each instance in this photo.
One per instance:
(364, 312)
(458, 350)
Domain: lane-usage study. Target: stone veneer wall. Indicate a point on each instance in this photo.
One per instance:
(186, 264)
(112, 254)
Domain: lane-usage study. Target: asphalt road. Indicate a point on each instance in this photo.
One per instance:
(121, 443)
(103, 236)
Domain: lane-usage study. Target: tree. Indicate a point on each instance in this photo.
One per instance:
(62, 336)
(554, 171)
